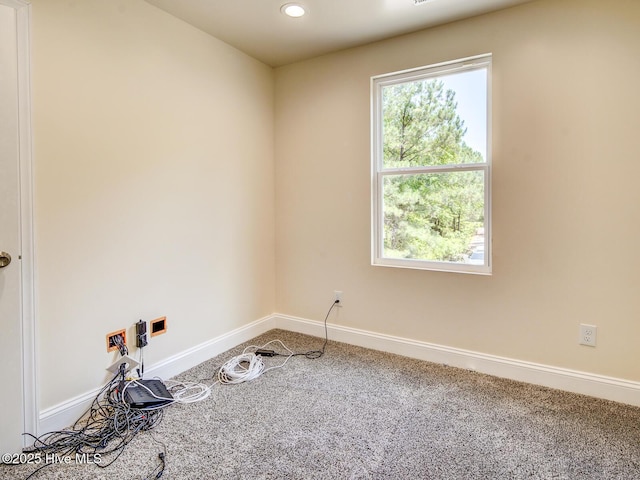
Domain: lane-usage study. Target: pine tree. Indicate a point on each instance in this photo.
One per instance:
(430, 215)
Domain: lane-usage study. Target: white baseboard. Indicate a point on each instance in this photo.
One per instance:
(623, 391)
(609, 388)
(66, 413)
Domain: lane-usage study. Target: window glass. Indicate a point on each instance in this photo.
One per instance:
(433, 216)
(435, 121)
(431, 177)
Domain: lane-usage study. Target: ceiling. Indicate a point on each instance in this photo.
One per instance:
(258, 28)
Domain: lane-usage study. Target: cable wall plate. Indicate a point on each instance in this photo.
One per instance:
(112, 346)
(130, 362)
(158, 326)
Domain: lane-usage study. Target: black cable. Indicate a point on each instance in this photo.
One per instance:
(109, 424)
(103, 431)
(313, 354)
(140, 369)
(162, 465)
(37, 470)
(122, 347)
(159, 470)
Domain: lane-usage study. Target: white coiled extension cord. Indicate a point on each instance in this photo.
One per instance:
(248, 366)
(241, 368)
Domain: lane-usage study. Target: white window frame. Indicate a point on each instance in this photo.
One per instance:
(379, 172)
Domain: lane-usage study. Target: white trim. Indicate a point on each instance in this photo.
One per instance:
(201, 353)
(624, 391)
(66, 413)
(434, 70)
(609, 388)
(379, 172)
(29, 365)
(25, 159)
(17, 4)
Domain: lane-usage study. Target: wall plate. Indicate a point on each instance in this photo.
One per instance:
(131, 364)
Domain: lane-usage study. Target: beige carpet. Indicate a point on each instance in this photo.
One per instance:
(361, 414)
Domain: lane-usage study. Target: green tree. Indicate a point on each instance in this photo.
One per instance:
(428, 215)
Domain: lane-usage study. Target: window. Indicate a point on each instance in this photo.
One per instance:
(431, 161)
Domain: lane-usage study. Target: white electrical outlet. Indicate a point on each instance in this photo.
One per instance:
(588, 334)
(337, 297)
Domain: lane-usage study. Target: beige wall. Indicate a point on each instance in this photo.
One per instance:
(154, 186)
(155, 181)
(566, 166)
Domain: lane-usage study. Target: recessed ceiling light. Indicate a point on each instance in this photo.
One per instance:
(294, 10)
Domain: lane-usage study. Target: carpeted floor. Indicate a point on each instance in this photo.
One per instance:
(361, 414)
